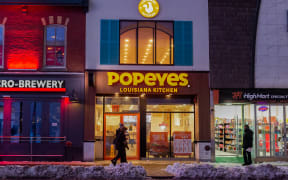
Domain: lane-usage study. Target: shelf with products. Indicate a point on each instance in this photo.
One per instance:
(230, 134)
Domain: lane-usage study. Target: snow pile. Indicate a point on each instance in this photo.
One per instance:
(123, 171)
(207, 171)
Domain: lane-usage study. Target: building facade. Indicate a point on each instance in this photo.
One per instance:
(254, 91)
(147, 67)
(42, 63)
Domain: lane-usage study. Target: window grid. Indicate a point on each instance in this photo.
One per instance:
(46, 44)
(171, 47)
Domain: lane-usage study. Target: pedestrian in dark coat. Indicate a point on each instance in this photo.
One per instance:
(247, 145)
(120, 143)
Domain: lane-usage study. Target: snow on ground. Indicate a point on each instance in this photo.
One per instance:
(121, 171)
(209, 171)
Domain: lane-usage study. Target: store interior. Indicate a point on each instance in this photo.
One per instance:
(265, 120)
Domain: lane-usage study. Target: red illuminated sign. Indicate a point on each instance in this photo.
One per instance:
(263, 108)
(34, 89)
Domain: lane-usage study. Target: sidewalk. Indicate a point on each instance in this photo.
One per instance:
(154, 168)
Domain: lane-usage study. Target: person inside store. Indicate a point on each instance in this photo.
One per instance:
(247, 145)
(121, 144)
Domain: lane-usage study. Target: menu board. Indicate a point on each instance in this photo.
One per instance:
(182, 143)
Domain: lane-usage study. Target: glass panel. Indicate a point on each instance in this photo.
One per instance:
(170, 105)
(112, 124)
(228, 130)
(171, 108)
(128, 47)
(162, 48)
(263, 130)
(249, 118)
(60, 36)
(55, 120)
(16, 121)
(130, 121)
(121, 104)
(277, 130)
(145, 46)
(99, 118)
(158, 135)
(1, 118)
(183, 134)
(55, 46)
(36, 119)
(50, 36)
(1, 45)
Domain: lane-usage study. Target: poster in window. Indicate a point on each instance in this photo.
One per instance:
(159, 145)
(55, 56)
(182, 143)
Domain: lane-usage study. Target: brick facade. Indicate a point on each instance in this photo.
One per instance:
(232, 27)
(24, 36)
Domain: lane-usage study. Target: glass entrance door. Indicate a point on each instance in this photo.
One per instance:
(111, 124)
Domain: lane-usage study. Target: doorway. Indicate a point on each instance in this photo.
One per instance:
(111, 124)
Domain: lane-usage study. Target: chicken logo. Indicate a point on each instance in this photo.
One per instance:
(148, 8)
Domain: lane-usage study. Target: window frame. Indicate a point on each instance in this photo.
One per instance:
(154, 42)
(3, 45)
(45, 44)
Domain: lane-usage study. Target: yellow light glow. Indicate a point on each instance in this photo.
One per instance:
(126, 40)
(126, 45)
(151, 40)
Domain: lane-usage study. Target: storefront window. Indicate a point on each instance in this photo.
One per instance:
(55, 46)
(263, 131)
(16, 121)
(99, 118)
(1, 118)
(158, 135)
(146, 42)
(1, 46)
(277, 130)
(55, 120)
(228, 130)
(121, 104)
(36, 118)
(169, 128)
(182, 132)
(249, 118)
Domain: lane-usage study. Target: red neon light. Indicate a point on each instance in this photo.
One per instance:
(34, 89)
(23, 59)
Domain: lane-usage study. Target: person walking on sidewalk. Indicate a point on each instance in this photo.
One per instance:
(121, 145)
(247, 145)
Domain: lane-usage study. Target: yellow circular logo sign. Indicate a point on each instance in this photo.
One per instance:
(148, 8)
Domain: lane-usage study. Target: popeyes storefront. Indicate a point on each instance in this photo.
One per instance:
(166, 113)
